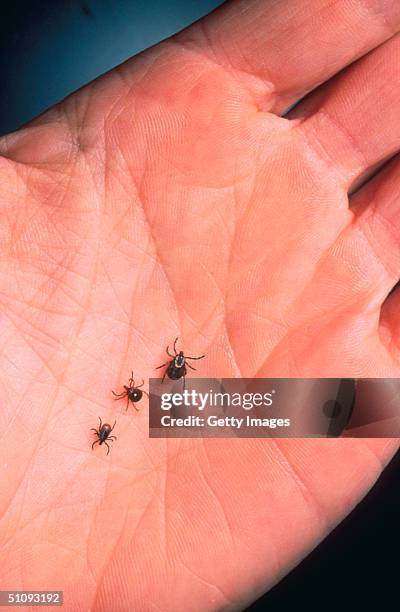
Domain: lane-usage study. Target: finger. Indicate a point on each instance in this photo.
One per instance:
(353, 122)
(351, 280)
(293, 46)
(389, 322)
(377, 218)
(370, 248)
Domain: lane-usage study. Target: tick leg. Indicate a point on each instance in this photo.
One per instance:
(168, 353)
(131, 379)
(93, 429)
(113, 426)
(145, 392)
(118, 395)
(176, 340)
(141, 384)
(202, 357)
(127, 401)
(191, 367)
(164, 364)
(107, 447)
(163, 378)
(100, 422)
(112, 438)
(95, 442)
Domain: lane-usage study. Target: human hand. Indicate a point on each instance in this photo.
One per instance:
(170, 198)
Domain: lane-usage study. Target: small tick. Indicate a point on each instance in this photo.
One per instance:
(132, 393)
(103, 434)
(176, 368)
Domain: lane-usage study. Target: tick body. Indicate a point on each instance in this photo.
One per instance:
(132, 393)
(176, 368)
(103, 434)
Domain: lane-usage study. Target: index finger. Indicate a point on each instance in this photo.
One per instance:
(290, 47)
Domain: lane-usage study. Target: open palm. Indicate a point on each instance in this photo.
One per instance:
(171, 198)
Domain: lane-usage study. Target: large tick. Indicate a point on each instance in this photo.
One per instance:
(103, 434)
(132, 393)
(176, 368)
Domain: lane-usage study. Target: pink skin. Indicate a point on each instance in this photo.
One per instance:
(170, 198)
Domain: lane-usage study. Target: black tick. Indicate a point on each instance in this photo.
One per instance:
(103, 434)
(132, 393)
(176, 368)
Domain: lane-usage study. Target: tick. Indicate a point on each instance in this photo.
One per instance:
(103, 434)
(133, 393)
(176, 368)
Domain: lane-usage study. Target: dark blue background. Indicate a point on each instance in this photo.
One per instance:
(50, 48)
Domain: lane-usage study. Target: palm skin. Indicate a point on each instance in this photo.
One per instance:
(169, 199)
